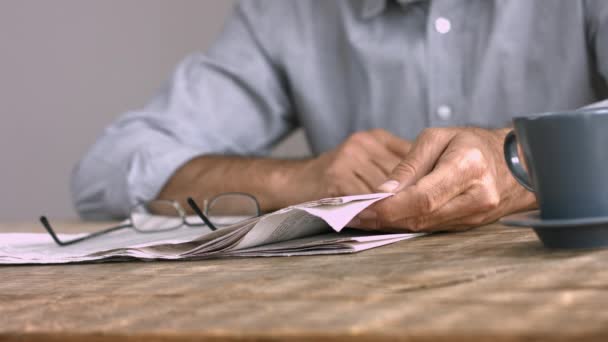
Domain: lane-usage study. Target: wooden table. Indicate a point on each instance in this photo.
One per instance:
(493, 283)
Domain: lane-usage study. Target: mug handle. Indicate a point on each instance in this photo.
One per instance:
(513, 162)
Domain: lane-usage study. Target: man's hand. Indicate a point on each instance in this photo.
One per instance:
(453, 178)
(358, 166)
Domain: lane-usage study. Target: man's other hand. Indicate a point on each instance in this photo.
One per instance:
(358, 166)
(453, 178)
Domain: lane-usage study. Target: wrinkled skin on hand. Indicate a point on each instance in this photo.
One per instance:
(451, 179)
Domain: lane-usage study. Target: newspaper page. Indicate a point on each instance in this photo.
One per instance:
(305, 229)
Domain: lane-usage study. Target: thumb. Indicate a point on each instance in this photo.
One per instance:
(419, 162)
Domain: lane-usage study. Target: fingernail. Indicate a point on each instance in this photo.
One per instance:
(367, 214)
(389, 186)
(355, 222)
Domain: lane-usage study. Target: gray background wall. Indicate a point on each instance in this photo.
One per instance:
(68, 67)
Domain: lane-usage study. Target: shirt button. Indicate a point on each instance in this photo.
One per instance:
(443, 25)
(444, 112)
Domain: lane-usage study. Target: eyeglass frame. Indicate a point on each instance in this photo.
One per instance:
(178, 207)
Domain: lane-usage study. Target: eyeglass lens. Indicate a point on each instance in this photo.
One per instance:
(221, 210)
(157, 216)
(230, 208)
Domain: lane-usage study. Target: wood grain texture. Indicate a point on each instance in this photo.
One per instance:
(492, 283)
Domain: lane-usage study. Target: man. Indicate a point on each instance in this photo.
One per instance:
(350, 72)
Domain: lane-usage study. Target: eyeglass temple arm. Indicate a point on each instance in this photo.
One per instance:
(200, 214)
(51, 231)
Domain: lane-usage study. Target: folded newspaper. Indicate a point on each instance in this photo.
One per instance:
(306, 229)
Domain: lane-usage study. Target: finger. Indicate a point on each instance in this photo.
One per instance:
(372, 225)
(470, 209)
(368, 220)
(356, 223)
(452, 176)
(462, 225)
(366, 170)
(355, 185)
(455, 212)
(395, 144)
(382, 157)
(419, 161)
(430, 194)
(487, 212)
(371, 174)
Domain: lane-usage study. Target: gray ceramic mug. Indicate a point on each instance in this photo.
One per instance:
(566, 154)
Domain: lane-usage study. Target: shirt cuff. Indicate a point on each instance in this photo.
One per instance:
(147, 173)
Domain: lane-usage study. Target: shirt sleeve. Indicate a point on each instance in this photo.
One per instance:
(230, 100)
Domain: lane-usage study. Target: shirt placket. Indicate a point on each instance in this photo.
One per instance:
(444, 46)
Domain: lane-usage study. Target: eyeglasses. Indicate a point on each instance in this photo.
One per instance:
(165, 215)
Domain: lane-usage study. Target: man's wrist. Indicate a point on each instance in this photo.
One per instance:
(286, 182)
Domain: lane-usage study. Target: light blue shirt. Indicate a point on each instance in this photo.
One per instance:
(334, 67)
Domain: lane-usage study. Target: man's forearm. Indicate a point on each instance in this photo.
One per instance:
(356, 166)
(269, 180)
